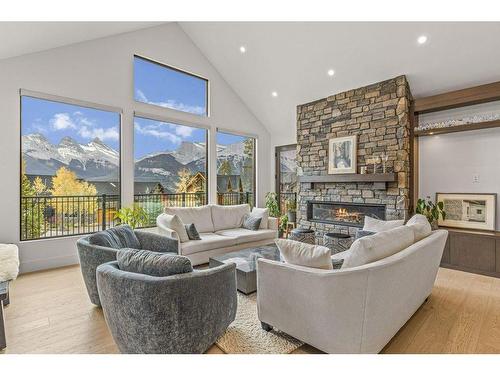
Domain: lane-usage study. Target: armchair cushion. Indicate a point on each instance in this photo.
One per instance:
(151, 263)
(376, 225)
(116, 238)
(420, 226)
(156, 242)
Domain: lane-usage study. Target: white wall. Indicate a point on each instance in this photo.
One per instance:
(448, 163)
(101, 71)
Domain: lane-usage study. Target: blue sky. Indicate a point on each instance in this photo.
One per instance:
(56, 120)
(154, 84)
(158, 85)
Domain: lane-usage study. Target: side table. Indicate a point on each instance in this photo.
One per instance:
(337, 242)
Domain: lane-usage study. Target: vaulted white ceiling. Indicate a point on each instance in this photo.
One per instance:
(19, 38)
(293, 59)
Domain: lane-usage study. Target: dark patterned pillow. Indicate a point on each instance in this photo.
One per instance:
(251, 222)
(363, 233)
(192, 232)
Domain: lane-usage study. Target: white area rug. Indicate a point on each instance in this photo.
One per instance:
(245, 335)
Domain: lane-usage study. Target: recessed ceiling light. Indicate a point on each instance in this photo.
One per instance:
(422, 39)
(331, 72)
(243, 49)
(274, 94)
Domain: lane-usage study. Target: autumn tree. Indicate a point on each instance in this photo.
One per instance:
(65, 184)
(225, 168)
(183, 182)
(32, 209)
(38, 186)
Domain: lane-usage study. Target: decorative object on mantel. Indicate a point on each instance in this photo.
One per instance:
(342, 153)
(362, 170)
(303, 235)
(375, 160)
(457, 122)
(384, 158)
(468, 210)
(432, 211)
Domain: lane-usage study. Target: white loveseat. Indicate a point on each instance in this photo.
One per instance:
(220, 230)
(352, 310)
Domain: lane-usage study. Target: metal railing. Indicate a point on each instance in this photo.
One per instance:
(61, 216)
(154, 204)
(235, 198)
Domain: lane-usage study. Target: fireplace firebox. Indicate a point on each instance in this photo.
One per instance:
(339, 213)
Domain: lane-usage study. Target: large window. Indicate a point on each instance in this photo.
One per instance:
(70, 168)
(235, 169)
(286, 176)
(170, 165)
(168, 87)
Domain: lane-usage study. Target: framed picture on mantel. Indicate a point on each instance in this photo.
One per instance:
(468, 210)
(342, 155)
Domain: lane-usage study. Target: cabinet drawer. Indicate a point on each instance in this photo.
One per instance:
(473, 252)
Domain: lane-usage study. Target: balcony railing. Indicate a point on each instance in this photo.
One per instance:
(61, 216)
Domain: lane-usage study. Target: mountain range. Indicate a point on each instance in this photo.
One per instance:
(95, 161)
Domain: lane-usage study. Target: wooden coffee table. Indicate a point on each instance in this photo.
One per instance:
(246, 264)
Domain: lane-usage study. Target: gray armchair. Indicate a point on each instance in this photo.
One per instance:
(183, 313)
(101, 247)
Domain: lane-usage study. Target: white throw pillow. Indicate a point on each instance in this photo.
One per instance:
(263, 213)
(175, 223)
(376, 225)
(201, 217)
(378, 246)
(9, 262)
(303, 254)
(420, 225)
(229, 217)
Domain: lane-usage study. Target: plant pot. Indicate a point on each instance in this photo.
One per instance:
(292, 216)
(434, 225)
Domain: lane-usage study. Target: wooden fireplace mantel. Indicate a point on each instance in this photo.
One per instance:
(379, 180)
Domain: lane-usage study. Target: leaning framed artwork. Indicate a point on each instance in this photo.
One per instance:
(468, 210)
(342, 155)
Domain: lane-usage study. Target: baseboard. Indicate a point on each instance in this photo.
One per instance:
(48, 263)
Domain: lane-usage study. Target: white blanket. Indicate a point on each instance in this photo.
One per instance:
(9, 262)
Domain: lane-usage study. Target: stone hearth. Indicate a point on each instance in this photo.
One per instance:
(379, 115)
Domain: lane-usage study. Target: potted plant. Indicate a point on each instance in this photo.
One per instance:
(283, 224)
(134, 216)
(272, 204)
(431, 211)
(291, 210)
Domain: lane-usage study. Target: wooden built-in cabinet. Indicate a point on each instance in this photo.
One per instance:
(477, 252)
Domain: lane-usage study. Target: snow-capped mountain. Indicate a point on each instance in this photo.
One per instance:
(94, 159)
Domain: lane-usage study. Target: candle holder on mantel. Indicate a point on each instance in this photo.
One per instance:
(384, 158)
(362, 169)
(375, 161)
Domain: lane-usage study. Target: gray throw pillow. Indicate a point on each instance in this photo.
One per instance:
(192, 232)
(119, 237)
(251, 222)
(363, 233)
(151, 263)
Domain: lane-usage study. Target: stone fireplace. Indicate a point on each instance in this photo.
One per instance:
(379, 115)
(347, 214)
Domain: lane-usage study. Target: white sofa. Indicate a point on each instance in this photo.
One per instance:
(352, 310)
(220, 230)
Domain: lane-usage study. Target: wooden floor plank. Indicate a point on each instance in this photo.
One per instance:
(50, 313)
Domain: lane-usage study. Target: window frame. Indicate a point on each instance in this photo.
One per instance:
(175, 121)
(207, 113)
(75, 102)
(255, 138)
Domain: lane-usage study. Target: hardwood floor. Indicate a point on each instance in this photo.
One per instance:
(50, 313)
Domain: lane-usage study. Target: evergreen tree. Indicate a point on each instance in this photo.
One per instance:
(32, 209)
